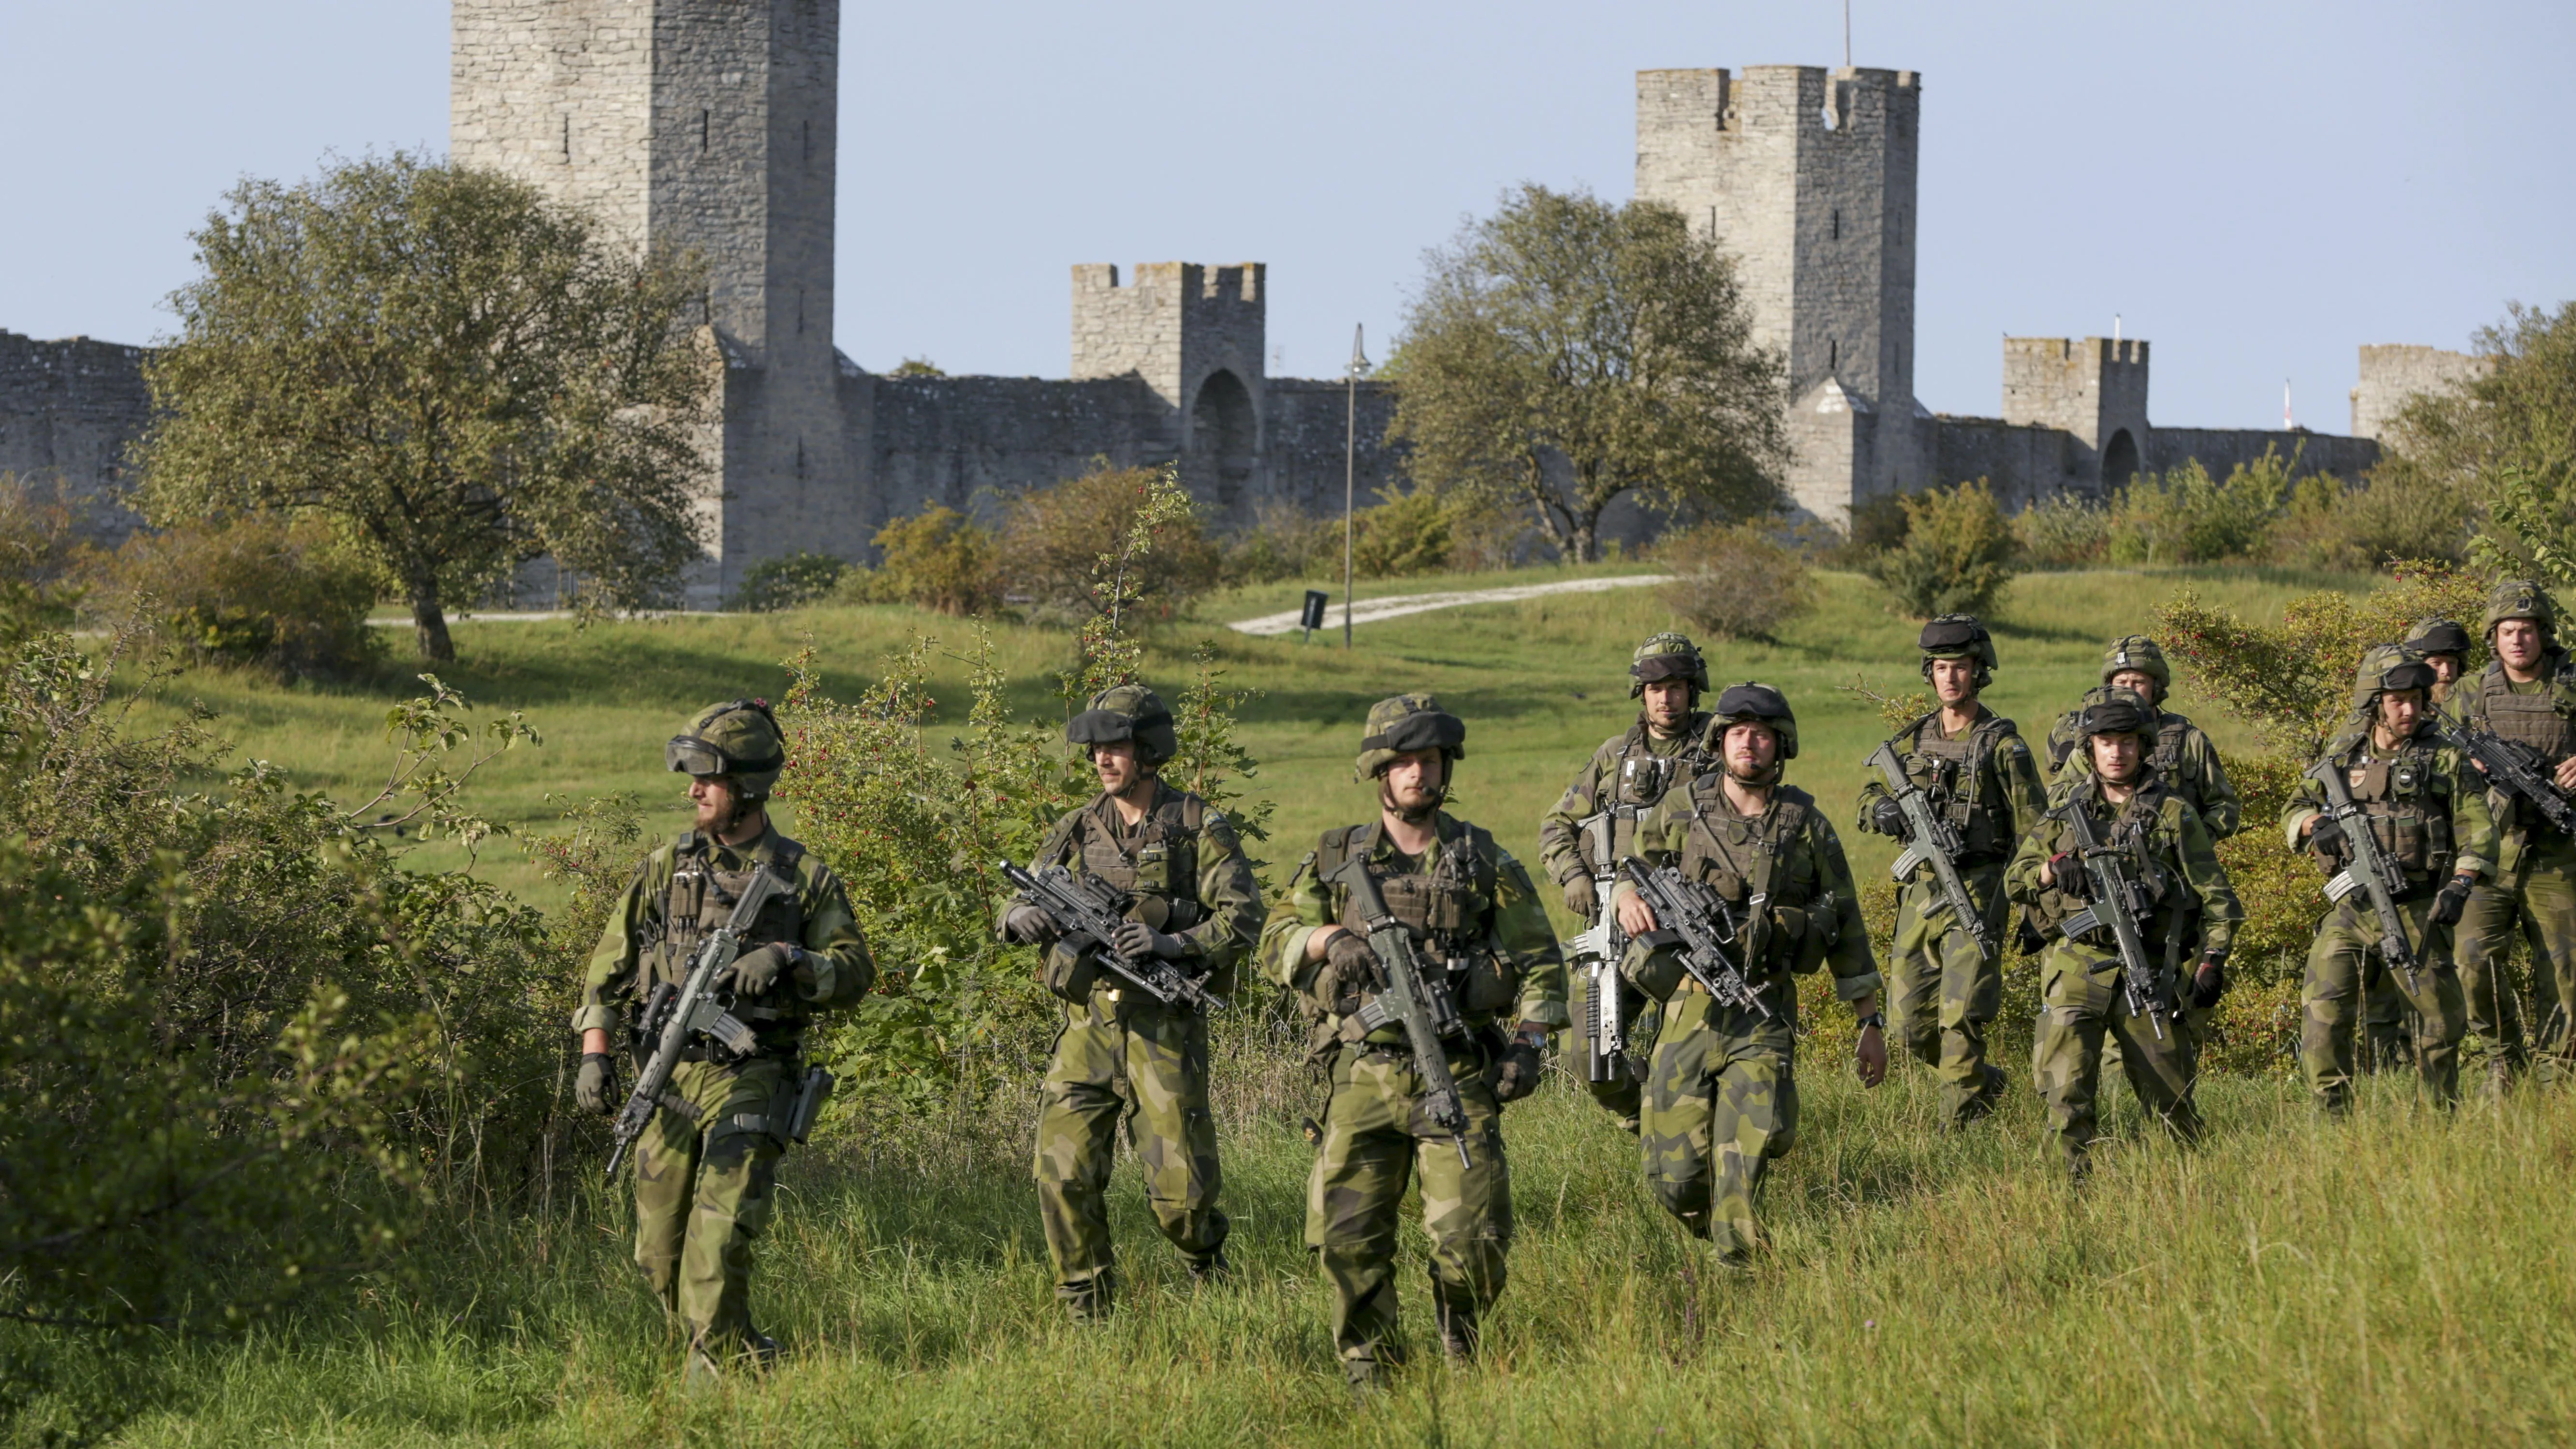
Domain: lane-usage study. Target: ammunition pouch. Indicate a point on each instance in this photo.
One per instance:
(1654, 964)
(1071, 967)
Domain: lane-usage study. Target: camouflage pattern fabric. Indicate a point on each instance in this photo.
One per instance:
(2084, 1005)
(1721, 1101)
(2194, 770)
(702, 1194)
(1146, 1064)
(2535, 893)
(2340, 964)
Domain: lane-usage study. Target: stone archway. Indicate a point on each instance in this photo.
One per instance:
(1222, 443)
(2119, 460)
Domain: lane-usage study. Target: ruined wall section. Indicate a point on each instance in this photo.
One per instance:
(68, 409)
(2392, 376)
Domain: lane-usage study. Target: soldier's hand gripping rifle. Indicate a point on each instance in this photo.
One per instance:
(675, 1018)
(1605, 1025)
(2511, 766)
(2369, 871)
(1703, 926)
(1083, 905)
(1929, 838)
(2119, 902)
(1414, 997)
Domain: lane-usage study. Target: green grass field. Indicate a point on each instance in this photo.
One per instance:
(2404, 1279)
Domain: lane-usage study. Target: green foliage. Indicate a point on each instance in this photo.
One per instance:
(457, 373)
(2064, 531)
(254, 591)
(2518, 413)
(2184, 516)
(790, 581)
(1405, 533)
(2389, 517)
(1212, 763)
(2531, 525)
(1565, 351)
(1114, 541)
(1734, 581)
(918, 367)
(1958, 555)
(938, 559)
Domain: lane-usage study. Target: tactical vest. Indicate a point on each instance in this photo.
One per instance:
(2136, 831)
(1157, 864)
(1447, 910)
(1953, 773)
(699, 899)
(1637, 779)
(2405, 797)
(1789, 923)
(2538, 719)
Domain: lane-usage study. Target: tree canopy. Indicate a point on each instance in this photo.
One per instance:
(2505, 442)
(461, 375)
(1565, 351)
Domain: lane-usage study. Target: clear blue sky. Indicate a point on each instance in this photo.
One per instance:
(2257, 187)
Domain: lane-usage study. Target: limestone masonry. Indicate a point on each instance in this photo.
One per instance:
(712, 126)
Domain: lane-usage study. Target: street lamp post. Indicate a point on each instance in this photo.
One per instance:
(1350, 465)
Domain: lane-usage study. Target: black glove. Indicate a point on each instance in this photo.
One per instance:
(2327, 837)
(1581, 898)
(1515, 1073)
(2209, 982)
(1029, 926)
(2066, 871)
(2453, 899)
(755, 971)
(1135, 939)
(1349, 968)
(1887, 818)
(595, 1090)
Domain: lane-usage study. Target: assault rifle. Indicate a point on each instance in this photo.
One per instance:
(2511, 766)
(1085, 905)
(2369, 870)
(1704, 927)
(1605, 1025)
(2119, 902)
(1418, 999)
(675, 1017)
(1930, 838)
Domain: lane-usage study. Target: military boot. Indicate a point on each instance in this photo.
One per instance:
(1211, 1270)
(1087, 1303)
(1459, 1335)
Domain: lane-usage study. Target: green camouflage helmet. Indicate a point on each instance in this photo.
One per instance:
(2387, 668)
(2520, 599)
(2429, 637)
(1406, 723)
(2140, 653)
(1667, 656)
(1126, 712)
(738, 740)
(1755, 703)
(1958, 636)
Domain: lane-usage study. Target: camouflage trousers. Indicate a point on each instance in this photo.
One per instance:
(703, 1185)
(1721, 1102)
(1147, 1065)
(2536, 893)
(1375, 1134)
(2342, 965)
(2084, 1004)
(1942, 991)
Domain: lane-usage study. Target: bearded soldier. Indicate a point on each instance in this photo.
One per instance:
(1481, 933)
(1721, 1097)
(2185, 762)
(2189, 920)
(2445, 646)
(2527, 694)
(707, 1162)
(1594, 822)
(1193, 902)
(2428, 813)
(1977, 772)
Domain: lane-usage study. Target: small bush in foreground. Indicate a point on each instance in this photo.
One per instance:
(1734, 581)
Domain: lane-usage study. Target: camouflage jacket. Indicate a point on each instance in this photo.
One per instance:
(2171, 851)
(2540, 714)
(2427, 806)
(641, 947)
(1184, 866)
(1984, 781)
(1598, 783)
(1466, 899)
(2183, 759)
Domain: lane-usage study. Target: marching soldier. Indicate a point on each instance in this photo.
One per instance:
(1721, 1097)
(1976, 770)
(1594, 823)
(2180, 752)
(1478, 926)
(2445, 645)
(2429, 815)
(2191, 914)
(1120, 1054)
(707, 1163)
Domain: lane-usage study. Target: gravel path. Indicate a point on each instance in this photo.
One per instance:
(1369, 611)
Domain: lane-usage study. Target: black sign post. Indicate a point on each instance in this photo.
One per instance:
(1312, 616)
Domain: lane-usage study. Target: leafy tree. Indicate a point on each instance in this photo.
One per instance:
(459, 374)
(1958, 555)
(2506, 440)
(1565, 351)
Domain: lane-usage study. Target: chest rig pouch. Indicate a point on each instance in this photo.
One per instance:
(2539, 720)
(2408, 805)
(1448, 910)
(1157, 864)
(1762, 868)
(1952, 773)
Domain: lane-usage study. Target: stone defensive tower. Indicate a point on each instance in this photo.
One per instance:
(1808, 179)
(703, 126)
(1194, 335)
(2094, 390)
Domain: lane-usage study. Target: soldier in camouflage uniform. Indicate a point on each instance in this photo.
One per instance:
(1722, 1093)
(1628, 774)
(1479, 925)
(1976, 769)
(706, 1165)
(2429, 815)
(2445, 646)
(2526, 694)
(2083, 982)
(1120, 1053)
(2185, 762)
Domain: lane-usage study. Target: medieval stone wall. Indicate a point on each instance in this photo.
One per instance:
(68, 410)
(2393, 375)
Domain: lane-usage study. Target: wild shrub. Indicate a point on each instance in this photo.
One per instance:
(1052, 538)
(1284, 542)
(1958, 554)
(2064, 531)
(2185, 516)
(1404, 533)
(2385, 518)
(790, 581)
(938, 559)
(1734, 581)
(252, 591)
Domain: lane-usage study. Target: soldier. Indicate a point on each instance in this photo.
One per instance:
(706, 1165)
(1721, 1098)
(2185, 762)
(1196, 904)
(1629, 773)
(2433, 826)
(2086, 993)
(2445, 646)
(1978, 772)
(2527, 694)
(1479, 923)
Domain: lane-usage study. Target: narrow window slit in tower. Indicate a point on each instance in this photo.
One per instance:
(1833, 353)
(702, 128)
(1838, 223)
(567, 139)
